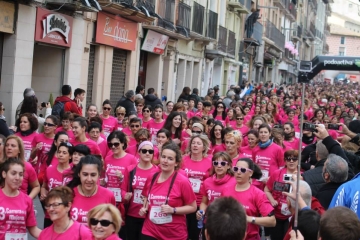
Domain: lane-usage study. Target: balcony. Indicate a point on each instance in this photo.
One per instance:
(184, 18)
(288, 54)
(256, 38)
(275, 35)
(292, 12)
(138, 11)
(198, 19)
(73, 5)
(221, 50)
(231, 44)
(211, 31)
(222, 40)
(242, 6)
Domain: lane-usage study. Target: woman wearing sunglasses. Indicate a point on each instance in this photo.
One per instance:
(239, 124)
(276, 198)
(232, 142)
(79, 127)
(134, 181)
(146, 115)
(196, 129)
(87, 191)
(109, 122)
(220, 114)
(197, 165)
(141, 136)
(42, 142)
(120, 114)
(58, 203)
(259, 211)
(104, 222)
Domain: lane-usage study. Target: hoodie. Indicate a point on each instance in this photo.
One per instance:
(69, 105)
(152, 100)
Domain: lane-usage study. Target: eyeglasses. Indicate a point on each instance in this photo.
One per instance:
(289, 159)
(53, 205)
(120, 114)
(239, 118)
(222, 163)
(134, 126)
(241, 169)
(111, 145)
(146, 110)
(196, 132)
(105, 108)
(144, 151)
(104, 223)
(49, 124)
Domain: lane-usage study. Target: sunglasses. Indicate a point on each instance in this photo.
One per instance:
(289, 159)
(241, 169)
(239, 118)
(144, 151)
(196, 132)
(120, 114)
(146, 110)
(111, 145)
(49, 124)
(134, 126)
(105, 108)
(104, 223)
(222, 163)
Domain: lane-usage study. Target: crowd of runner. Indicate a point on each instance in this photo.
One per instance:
(149, 169)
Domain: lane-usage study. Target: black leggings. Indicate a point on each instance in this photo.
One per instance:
(278, 232)
(193, 230)
(133, 227)
(146, 237)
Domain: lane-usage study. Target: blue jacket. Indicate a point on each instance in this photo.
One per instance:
(347, 195)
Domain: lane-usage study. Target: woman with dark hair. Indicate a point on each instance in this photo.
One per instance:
(56, 175)
(168, 109)
(41, 143)
(109, 122)
(165, 214)
(58, 203)
(66, 121)
(27, 126)
(80, 151)
(87, 192)
(319, 115)
(220, 114)
(163, 137)
(155, 124)
(174, 123)
(259, 211)
(276, 198)
(79, 127)
(217, 137)
(185, 95)
(239, 124)
(289, 136)
(272, 110)
(252, 137)
(91, 111)
(146, 113)
(30, 105)
(338, 114)
(139, 104)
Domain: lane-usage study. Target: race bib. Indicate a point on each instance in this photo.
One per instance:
(195, 184)
(265, 174)
(27, 154)
(157, 217)
(106, 134)
(137, 196)
(16, 236)
(153, 139)
(117, 194)
(285, 209)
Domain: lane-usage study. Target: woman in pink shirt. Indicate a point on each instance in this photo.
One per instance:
(217, 137)
(167, 198)
(120, 114)
(157, 123)
(80, 151)
(14, 204)
(233, 141)
(146, 113)
(141, 136)
(14, 148)
(27, 125)
(289, 137)
(168, 109)
(139, 104)
(232, 117)
(134, 181)
(197, 166)
(163, 136)
(94, 131)
(66, 120)
(92, 111)
(87, 192)
(220, 114)
(79, 127)
(253, 140)
(58, 203)
(259, 211)
(57, 175)
(109, 122)
(174, 123)
(239, 124)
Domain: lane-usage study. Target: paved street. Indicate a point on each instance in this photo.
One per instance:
(39, 216)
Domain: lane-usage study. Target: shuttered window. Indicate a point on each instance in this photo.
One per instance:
(118, 76)
(90, 81)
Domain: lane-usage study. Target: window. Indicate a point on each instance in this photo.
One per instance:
(342, 40)
(341, 51)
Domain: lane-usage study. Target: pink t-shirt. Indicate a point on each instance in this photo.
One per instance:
(47, 142)
(112, 165)
(254, 202)
(244, 129)
(53, 178)
(138, 183)
(213, 186)
(120, 126)
(127, 131)
(145, 123)
(77, 231)
(247, 151)
(197, 172)
(109, 125)
(180, 195)
(81, 204)
(29, 177)
(69, 133)
(154, 127)
(219, 148)
(27, 140)
(104, 149)
(269, 159)
(94, 148)
(16, 214)
(224, 122)
(293, 144)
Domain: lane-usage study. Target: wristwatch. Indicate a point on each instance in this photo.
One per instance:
(174, 210)
(253, 220)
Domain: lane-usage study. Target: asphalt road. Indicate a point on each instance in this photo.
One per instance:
(39, 216)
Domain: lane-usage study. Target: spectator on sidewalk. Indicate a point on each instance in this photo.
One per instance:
(151, 99)
(79, 96)
(128, 102)
(68, 105)
(195, 96)
(28, 92)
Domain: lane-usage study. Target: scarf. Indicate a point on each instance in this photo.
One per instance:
(221, 181)
(289, 136)
(308, 140)
(26, 133)
(265, 144)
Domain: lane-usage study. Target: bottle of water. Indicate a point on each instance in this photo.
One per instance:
(200, 223)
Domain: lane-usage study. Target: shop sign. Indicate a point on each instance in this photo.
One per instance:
(53, 28)
(116, 31)
(7, 15)
(155, 42)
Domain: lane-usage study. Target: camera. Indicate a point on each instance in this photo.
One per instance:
(333, 126)
(282, 187)
(309, 126)
(43, 104)
(287, 177)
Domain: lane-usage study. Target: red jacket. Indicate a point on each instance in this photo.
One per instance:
(69, 105)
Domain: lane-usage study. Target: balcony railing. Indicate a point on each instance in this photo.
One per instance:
(246, 3)
(198, 18)
(312, 29)
(184, 18)
(258, 32)
(148, 4)
(231, 45)
(222, 40)
(167, 12)
(275, 35)
(211, 31)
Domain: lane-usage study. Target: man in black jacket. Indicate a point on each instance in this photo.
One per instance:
(127, 101)
(151, 99)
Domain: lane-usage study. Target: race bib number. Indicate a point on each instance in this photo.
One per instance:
(157, 217)
(16, 236)
(117, 194)
(285, 209)
(265, 174)
(27, 154)
(195, 184)
(137, 196)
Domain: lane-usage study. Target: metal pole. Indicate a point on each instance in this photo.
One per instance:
(299, 159)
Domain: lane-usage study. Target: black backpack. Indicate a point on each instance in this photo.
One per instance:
(58, 109)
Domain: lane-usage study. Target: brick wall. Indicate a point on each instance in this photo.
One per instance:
(352, 45)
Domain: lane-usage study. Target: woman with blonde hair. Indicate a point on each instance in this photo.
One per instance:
(105, 222)
(233, 140)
